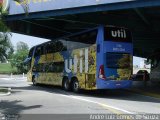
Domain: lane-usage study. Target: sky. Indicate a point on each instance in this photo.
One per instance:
(32, 41)
(137, 60)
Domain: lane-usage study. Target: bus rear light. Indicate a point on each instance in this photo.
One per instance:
(102, 73)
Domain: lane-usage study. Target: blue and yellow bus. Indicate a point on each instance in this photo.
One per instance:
(99, 58)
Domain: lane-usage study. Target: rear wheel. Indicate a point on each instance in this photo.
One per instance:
(75, 86)
(65, 84)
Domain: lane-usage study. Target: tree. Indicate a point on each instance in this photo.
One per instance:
(6, 47)
(22, 46)
(19, 56)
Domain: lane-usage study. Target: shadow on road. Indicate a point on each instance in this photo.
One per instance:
(109, 94)
(14, 107)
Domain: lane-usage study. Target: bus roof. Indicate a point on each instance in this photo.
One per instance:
(78, 33)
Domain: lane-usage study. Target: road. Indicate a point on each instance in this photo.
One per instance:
(28, 99)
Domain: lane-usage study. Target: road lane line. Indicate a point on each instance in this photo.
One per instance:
(114, 109)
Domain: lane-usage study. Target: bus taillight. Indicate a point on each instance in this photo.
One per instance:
(102, 73)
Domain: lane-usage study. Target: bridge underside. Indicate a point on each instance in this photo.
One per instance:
(142, 21)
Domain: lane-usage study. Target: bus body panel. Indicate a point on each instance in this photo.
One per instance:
(113, 84)
(85, 64)
(81, 63)
(114, 77)
(123, 52)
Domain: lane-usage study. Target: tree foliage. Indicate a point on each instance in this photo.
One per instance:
(6, 47)
(19, 56)
(22, 46)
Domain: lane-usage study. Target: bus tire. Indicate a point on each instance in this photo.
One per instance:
(34, 81)
(75, 86)
(66, 84)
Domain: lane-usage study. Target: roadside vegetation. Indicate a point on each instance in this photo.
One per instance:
(7, 52)
(18, 57)
(16, 60)
(3, 90)
(6, 48)
(6, 68)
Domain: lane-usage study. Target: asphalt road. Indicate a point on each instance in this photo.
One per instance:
(28, 99)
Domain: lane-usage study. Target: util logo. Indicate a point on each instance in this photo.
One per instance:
(119, 33)
(75, 62)
(4, 4)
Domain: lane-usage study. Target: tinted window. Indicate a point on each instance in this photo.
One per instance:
(54, 67)
(50, 47)
(38, 51)
(82, 40)
(60, 46)
(38, 68)
(56, 46)
(118, 60)
(117, 34)
(57, 67)
(42, 50)
(49, 67)
(31, 52)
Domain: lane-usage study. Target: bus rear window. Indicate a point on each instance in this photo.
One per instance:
(118, 60)
(117, 34)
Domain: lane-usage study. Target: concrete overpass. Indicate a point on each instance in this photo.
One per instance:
(54, 18)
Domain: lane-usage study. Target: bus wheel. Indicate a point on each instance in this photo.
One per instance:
(75, 86)
(65, 84)
(34, 81)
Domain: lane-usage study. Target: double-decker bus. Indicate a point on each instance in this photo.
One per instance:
(99, 58)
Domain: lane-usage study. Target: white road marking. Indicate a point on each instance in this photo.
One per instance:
(101, 104)
(19, 78)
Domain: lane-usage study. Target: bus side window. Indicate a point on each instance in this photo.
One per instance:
(48, 48)
(45, 49)
(38, 51)
(43, 67)
(31, 52)
(82, 40)
(98, 48)
(46, 68)
(42, 50)
(56, 67)
(60, 46)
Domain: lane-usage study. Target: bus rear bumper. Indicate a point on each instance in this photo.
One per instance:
(113, 84)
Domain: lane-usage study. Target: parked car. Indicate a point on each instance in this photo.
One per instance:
(142, 75)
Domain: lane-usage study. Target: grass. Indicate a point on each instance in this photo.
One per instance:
(5, 68)
(3, 90)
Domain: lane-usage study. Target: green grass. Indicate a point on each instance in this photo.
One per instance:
(3, 90)
(5, 68)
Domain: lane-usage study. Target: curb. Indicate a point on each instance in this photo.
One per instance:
(6, 94)
(145, 93)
